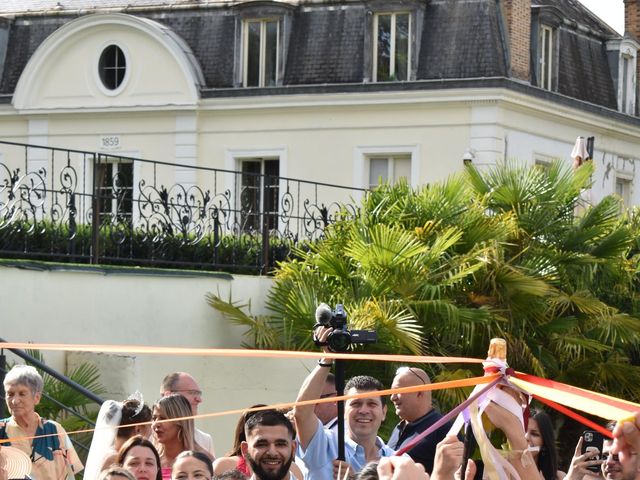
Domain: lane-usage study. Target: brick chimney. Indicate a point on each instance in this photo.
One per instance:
(632, 18)
(518, 23)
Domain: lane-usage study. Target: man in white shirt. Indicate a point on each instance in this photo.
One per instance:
(185, 385)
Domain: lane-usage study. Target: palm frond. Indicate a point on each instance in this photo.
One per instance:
(259, 327)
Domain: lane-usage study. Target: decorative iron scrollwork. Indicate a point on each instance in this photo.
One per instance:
(49, 212)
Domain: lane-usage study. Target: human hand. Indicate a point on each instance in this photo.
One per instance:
(580, 462)
(448, 458)
(320, 335)
(626, 440)
(509, 424)
(341, 470)
(470, 472)
(400, 468)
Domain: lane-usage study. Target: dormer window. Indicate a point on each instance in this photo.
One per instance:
(546, 57)
(260, 52)
(626, 84)
(392, 46)
(623, 58)
(627, 76)
(260, 44)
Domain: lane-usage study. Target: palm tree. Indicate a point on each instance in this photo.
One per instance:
(442, 269)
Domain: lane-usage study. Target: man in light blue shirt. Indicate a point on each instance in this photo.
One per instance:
(318, 447)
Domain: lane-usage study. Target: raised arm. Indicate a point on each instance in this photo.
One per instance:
(306, 420)
(522, 460)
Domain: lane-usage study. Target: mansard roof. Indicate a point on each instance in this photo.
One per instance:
(577, 15)
(327, 41)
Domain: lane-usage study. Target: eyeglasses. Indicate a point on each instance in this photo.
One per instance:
(409, 369)
(192, 393)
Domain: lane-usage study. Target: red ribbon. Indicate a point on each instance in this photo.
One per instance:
(543, 382)
(575, 416)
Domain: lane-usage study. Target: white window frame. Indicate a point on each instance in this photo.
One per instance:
(127, 73)
(546, 53)
(543, 161)
(627, 83)
(114, 159)
(233, 164)
(624, 174)
(137, 172)
(391, 167)
(263, 47)
(362, 154)
(627, 193)
(392, 65)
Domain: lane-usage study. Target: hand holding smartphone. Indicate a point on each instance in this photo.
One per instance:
(593, 441)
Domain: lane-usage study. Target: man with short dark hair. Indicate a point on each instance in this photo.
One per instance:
(270, 445)
(319, 446)
(417, 414)
(186, 385)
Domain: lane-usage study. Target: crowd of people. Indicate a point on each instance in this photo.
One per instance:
(135, 441)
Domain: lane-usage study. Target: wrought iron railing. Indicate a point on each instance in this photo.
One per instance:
(86, 207)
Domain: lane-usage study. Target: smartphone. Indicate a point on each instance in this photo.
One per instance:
(470, 445)
(593, 441)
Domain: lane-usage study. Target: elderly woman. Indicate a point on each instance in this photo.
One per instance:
(45, 441)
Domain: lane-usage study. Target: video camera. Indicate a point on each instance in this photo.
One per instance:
(341, 338)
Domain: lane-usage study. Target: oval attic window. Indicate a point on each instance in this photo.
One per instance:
(112, 67)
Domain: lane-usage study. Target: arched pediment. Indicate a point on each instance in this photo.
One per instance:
(64, 71)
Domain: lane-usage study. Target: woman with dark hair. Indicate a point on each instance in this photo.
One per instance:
(191, 465)
(140, 457)
(116, 423)
(234, 459)
(542, 444)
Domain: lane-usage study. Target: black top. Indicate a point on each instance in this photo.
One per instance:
(425, 451)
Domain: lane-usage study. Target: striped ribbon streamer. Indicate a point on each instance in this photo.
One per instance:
(575, 416)
(603, 406)
(233, 352)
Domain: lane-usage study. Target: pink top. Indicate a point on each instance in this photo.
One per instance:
(242, 466)
(166, 473)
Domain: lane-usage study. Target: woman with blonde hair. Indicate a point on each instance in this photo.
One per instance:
(174, 437)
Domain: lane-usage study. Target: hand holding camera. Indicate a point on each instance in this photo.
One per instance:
(340, 338)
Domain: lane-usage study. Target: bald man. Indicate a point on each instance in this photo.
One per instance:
(417, 414)
(186, 385)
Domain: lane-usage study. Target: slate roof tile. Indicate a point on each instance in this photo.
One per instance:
(461, 40)
(326, 47)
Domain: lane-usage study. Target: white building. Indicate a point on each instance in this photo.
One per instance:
(341, 92)
(338, 92)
